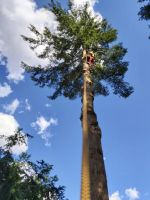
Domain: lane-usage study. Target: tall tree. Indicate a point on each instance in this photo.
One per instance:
(83, 61)
(23, 179)
(144, 12)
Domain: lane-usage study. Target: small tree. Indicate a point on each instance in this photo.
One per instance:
(22, 179)
(71, 73)
(144, 12)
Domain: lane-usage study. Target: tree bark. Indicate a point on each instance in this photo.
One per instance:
(93, 180)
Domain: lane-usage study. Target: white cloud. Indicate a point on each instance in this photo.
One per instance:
(12, 107)
(8, 126)
(80, 3)
(83, 2)
(115, 196)
(5, 90)
(132, 193)
(27, 105)
(15, 17)
(42, 125)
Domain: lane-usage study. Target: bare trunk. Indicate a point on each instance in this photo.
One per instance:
(93, 181)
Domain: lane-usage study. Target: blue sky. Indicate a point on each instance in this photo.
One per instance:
(55, 124)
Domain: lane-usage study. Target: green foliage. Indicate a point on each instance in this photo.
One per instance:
(77, 30)
(22, 179)
(144, 12)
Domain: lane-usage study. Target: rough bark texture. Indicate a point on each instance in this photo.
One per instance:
(93, 181)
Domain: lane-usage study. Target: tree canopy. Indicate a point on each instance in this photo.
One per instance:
(78, 29)
(23, 179)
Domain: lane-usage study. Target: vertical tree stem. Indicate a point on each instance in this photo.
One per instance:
(85, 182)
(93, 181)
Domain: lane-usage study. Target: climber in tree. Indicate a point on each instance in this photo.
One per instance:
(90, 58)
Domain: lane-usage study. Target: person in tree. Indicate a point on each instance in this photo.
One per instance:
(90, 58)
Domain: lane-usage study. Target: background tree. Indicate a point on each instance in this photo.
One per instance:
(69, 73)
(21, 179)
(144, 12)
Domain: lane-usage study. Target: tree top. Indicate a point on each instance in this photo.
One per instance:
(78, 29)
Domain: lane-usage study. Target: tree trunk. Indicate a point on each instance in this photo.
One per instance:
(93, 181)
